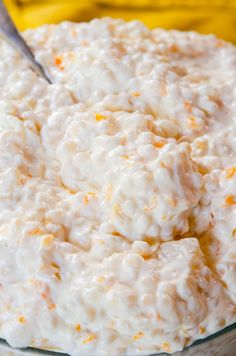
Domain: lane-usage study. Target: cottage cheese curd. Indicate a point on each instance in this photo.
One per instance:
(117, 189)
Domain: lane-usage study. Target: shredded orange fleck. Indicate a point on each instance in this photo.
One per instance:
(85, 199)
(116, 209)
(21, 181)
(234, 232)
(187, 339)
(188, 106)
(46, 295)
(57, 276)
(116, 233)
(202, 329)
(166, 346)
(201, 144)
(163, 165)
(151, 241)
(55, 265)
(69, 190)
(220, 43)
(195, 267)
(92, 194)
(138, 335)
(58, 62)
(230, 172)
(38, 126)
(123, 140)
(21, 118)
(172, 202)
(100, 117)
(159, 144)
(174, 48)
(47, 240)
(51, 305)
(158, 317)
(222, 323)
(36, 231)
(136, 93)
(229, 200)
(192, 122)
(78, 327)
(21, 319)
(89, 339)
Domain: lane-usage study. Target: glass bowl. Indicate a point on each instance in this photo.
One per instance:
(222, 343)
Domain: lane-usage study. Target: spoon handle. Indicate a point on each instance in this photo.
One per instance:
(9, 32)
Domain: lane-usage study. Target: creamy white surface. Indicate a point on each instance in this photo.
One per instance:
(117, 183)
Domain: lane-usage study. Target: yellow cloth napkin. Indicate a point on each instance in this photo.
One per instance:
(212, 16)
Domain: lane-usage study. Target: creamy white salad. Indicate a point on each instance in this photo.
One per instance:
(117, 189)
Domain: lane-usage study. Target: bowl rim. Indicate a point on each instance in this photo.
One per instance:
(57, 353)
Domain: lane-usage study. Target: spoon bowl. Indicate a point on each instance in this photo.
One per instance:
(10, 33)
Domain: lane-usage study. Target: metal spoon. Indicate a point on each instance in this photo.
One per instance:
(13, 37)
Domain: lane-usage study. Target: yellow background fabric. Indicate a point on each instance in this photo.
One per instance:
(212, 16)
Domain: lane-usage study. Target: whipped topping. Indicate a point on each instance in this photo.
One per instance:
(117, 189)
